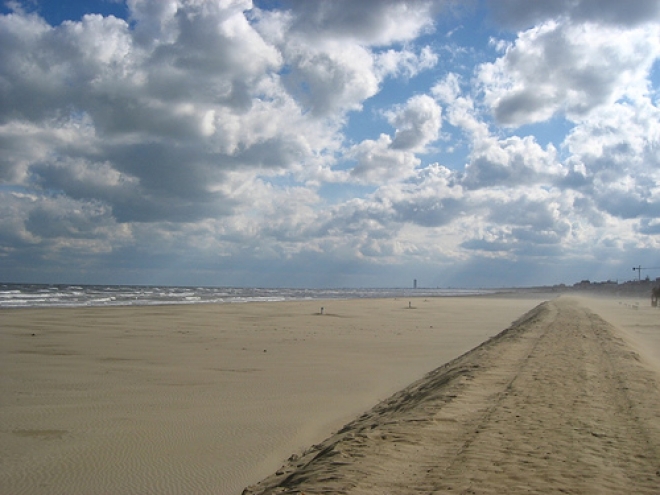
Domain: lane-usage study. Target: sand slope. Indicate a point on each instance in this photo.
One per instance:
(557, 403)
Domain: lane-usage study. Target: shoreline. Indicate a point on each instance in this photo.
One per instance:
(57, 296)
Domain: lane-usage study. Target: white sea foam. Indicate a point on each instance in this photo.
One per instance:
(29, 295)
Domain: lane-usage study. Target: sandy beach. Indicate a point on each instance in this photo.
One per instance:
(214, 398)
(208, 398)
(561, 402)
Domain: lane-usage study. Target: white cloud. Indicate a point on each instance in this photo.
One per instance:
(405, 62)
(460, 109)
(368, 22)
(216, 133)
(91, 99)
(559, 67)
(332, 78)
(328, 48)
(622, 138)
(378, 161)
(492, 161)
(511, 162)
(617, 151)
(50, 225)
(417, 123)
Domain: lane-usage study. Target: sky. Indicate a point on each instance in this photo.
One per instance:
(298, 143)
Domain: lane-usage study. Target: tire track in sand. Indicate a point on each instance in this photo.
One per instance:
(556, 403)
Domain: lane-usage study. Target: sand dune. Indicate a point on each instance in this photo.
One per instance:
(558, 403)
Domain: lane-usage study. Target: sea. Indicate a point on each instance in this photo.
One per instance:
(42, 295)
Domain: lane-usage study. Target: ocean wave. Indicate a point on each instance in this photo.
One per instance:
(30, 295)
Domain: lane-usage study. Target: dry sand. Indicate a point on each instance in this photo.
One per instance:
(209, 399)
(561, 402)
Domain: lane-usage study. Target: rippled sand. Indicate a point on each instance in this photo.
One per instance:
(208, 399)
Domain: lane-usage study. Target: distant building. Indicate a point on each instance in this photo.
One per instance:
(415, 284)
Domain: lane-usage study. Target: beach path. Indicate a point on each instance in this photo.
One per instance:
(557, 403)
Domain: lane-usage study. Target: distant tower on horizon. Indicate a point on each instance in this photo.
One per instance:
(415, 284)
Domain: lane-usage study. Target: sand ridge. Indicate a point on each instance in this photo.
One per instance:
(557, 403)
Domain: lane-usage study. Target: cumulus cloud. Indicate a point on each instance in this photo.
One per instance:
(332, 65)
(369, 22)
(511, 162)
(379, 161)
(218, 133)
(460, 108)
(145, 122)
(523, 14)
(54, 224)
(563, 68)
(496, 162)
(160, 122)
(534, 224)
(405, 62)
(432, 199)
(649, 226)
(417, 124)
(616, 150)
(332, 79)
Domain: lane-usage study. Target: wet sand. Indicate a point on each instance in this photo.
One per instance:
(561, 402)
(210, 398)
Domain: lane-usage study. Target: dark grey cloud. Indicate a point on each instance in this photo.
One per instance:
(517, 106)
(146, 182)
(535, 239)
(649, 226)
(575, 179)
(526, 244)
(82, 223)
(586, 208)
(523, 211)
(368, 21)
(492, 246)
(33, 64)
(14, 238)
(373, 220)
(626, 204)
(430, 212)
(521, 14)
